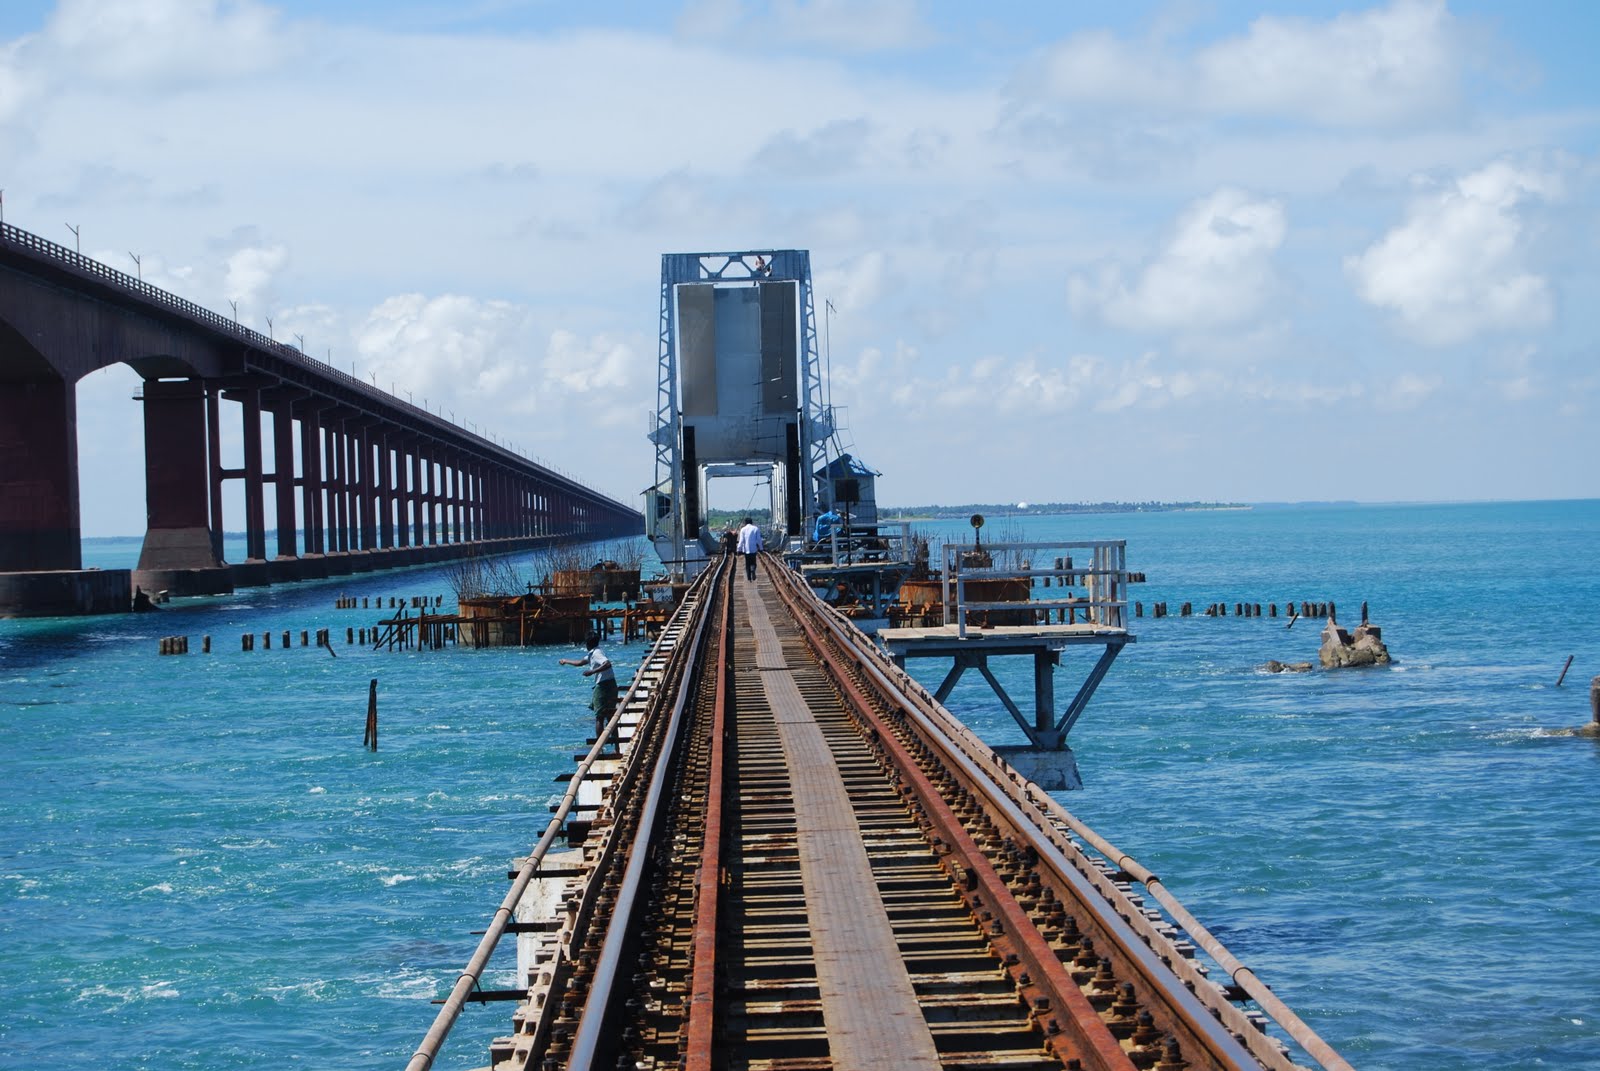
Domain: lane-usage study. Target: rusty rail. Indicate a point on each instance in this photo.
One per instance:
(1042, 976)
(986, 762)
(422, 1059)
(592, 1026)
(1101, 979)
(700, 1033)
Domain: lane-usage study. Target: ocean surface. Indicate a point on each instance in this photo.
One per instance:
(201, 867)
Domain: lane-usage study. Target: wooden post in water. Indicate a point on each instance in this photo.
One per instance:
(370, 740)
(1594, 699)
(1563, 669)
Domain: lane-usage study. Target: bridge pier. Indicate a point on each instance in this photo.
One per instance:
(39, 526)
(182, 553)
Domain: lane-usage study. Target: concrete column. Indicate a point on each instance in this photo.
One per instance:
(452, 494)
(333, 442)
(418, 501)
(367, 481)
(475, 501)
(255, 508)
(214, 457)
(177, 479)
(283, 479)
(352, 517)
(432, 499)
(383, 491)
(311, 476)
(402, 490)
(39, 525)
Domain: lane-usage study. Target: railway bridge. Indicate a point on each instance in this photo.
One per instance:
(782, 853)
(355, 478)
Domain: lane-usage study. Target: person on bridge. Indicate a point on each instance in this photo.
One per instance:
(824, 526)
(749, 546)
(603, 700)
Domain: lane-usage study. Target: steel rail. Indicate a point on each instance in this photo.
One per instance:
(1243, 976)
(1040, 974)
(1141, 958)
(586, 1042)
(468, 980)
(701, 1028)
(960, 736)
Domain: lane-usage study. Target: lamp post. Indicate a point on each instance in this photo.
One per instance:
(77, 239)
(138, 264)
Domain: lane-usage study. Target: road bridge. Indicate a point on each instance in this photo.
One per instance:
(790, 856)
(356, 478)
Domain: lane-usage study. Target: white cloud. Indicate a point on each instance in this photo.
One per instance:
(835, 148)
(857, 283)
(839, 25)
(1391, 65)
(449, 348)
(1517, 389)
(167, 42)
(1216, 270)
(1406, 391)
(1458, 265)
(249, 273)
(600, 363)
(137, 46)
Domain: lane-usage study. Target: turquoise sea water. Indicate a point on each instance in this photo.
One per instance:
(200, 867)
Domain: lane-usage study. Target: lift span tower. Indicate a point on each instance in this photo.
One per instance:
(740, 394)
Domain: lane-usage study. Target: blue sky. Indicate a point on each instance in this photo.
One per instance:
(1182, 251)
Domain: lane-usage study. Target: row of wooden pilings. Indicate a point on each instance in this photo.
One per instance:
(366, 602)
(247, 642)
(1241, 609)
(173, 645)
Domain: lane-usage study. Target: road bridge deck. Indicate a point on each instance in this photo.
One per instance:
(800, 861)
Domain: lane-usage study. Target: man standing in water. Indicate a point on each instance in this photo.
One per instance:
(603, 700)
(749, 546)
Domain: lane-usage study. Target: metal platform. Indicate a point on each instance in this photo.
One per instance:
(1097, 617)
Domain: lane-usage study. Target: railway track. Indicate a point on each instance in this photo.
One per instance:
(803, 863)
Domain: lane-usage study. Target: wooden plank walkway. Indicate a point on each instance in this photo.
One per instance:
(868, 1003)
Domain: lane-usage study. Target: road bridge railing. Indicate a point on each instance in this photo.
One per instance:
(44, 249)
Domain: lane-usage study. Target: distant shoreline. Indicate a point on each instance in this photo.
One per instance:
(1047, 509)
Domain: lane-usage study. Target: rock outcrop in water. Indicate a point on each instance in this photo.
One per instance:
(1341, 649)
(1274, 666)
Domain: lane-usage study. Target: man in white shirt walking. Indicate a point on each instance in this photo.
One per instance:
(749, 546)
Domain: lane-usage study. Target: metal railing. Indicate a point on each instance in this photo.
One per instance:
(94, 269)
(850, 544)
(1104, 580)
(687, 626)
